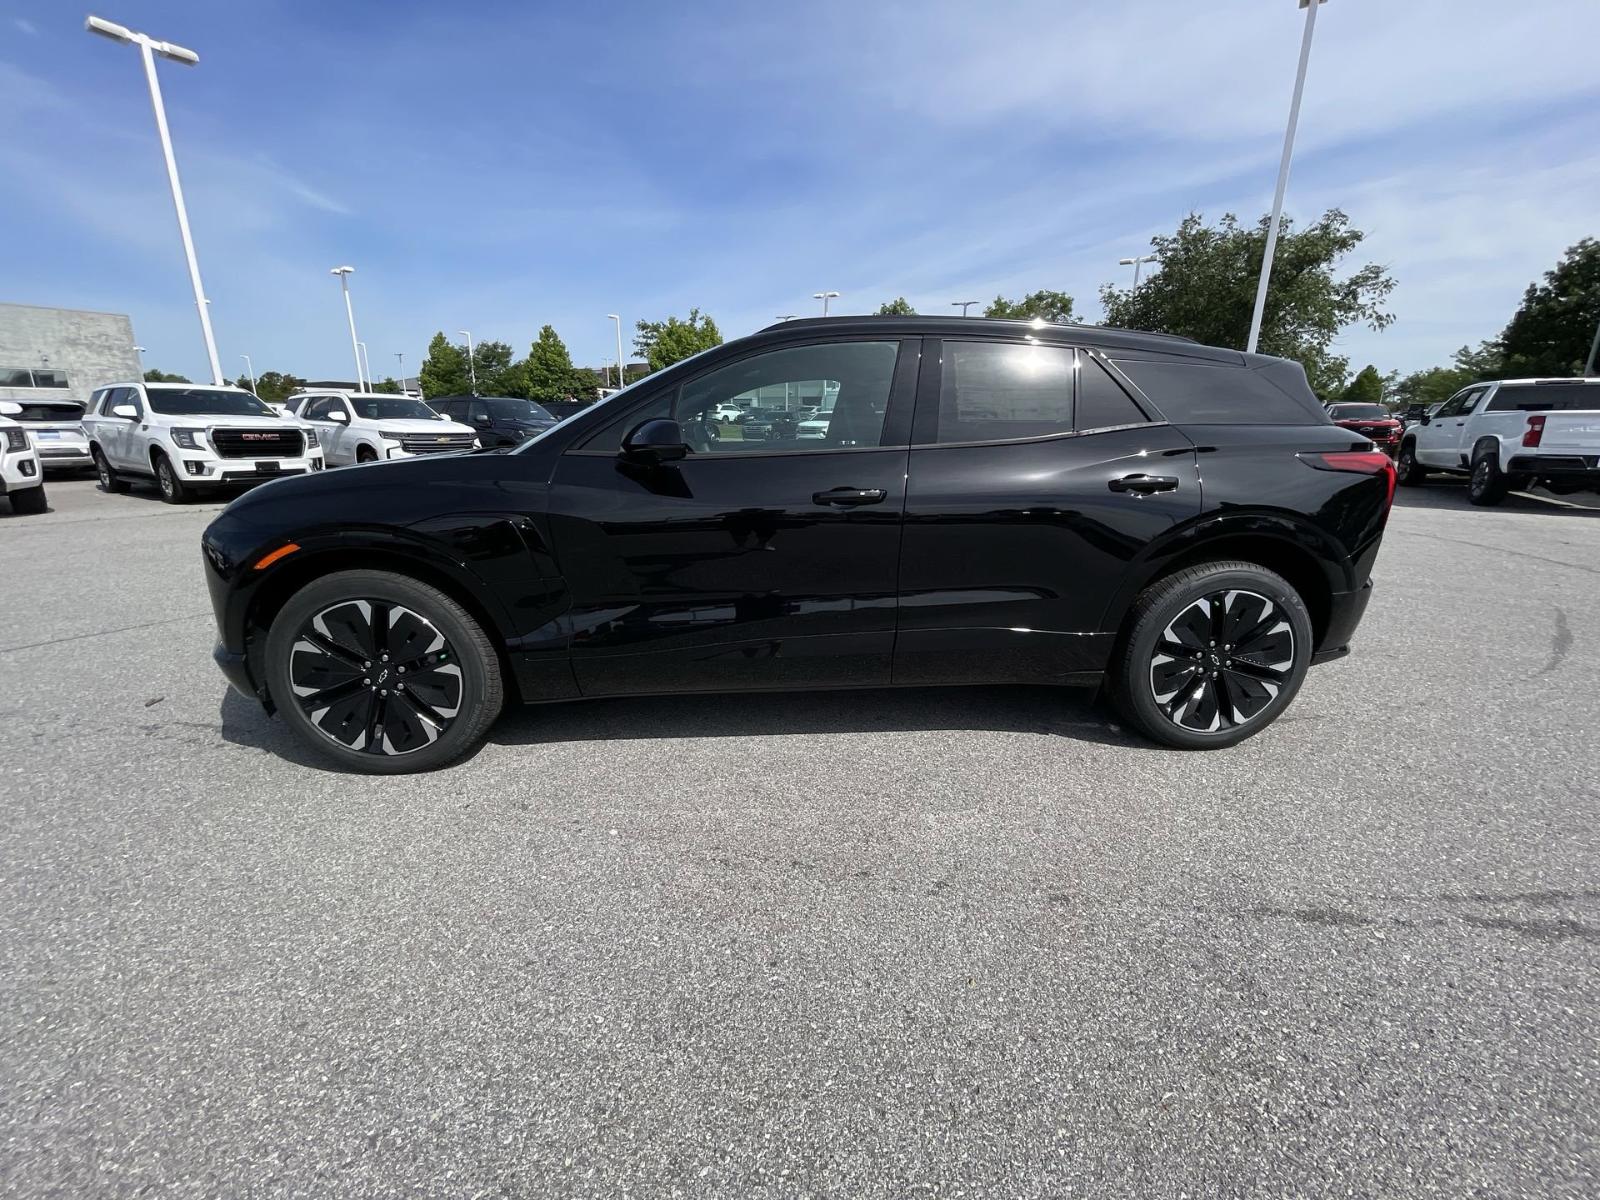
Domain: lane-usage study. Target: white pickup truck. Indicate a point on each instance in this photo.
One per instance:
(1510, 434)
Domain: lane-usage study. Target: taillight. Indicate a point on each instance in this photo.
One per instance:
(1362, 462)
(1535, 430)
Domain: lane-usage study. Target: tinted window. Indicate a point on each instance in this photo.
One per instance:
(126, 396)
(1195, 393)
(1000, 391)
(1102, 402)
(392, 408)
(50, 411)
(15, 377)
(49, 379)
(318, 409)
(197, 402)
(508, 409)
(1545, 397)
(1461, 403)
(1357, 412)
(478, 412)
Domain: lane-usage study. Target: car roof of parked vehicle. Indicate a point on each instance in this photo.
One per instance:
(1544, 379)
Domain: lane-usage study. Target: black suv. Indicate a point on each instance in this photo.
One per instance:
(501, 421)
(991, 501)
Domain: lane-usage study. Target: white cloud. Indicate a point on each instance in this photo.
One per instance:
(26, 26)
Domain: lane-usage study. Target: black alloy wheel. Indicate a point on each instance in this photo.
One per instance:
(110, 481)
(1408, 471)
(382, 673)
(1211, 655)
(172, 489)
(1487, 484)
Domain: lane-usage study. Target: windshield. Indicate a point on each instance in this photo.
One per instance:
(1359, 412)
(392, 408)
(55, 410)
(507, 409)
(196, 402)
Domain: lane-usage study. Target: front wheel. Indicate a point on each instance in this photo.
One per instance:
(1488, 484)
(172, 489)
(1407, 470)
(1212, 655)
(29, 502)
(382, 673)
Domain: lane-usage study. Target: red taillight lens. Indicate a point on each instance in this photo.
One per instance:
(1362, 462)
(1535, 431)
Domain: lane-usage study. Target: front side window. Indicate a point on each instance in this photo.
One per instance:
(1000, 391)
(1459, 404)
(318, 409)
(204, 402)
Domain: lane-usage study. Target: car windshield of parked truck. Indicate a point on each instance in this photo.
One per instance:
(1358, 412)
(1545, 397)
(50, 410)
(398, 408)
(195, 402)
(509, 409)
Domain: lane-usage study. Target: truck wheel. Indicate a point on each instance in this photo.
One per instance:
(381, 673)
(1211, 655)
(110, 481)
(366, 454)
(29, 502)
(1407, 469)
(1488, 484)
(172, 489)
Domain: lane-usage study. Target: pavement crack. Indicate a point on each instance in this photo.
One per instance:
(78, 637)
(1493, 549)
(1561, 643)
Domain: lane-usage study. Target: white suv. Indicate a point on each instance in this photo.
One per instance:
(21, 480)
(190, 437)
(359, 427)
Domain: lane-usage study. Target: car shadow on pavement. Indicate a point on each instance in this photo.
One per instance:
(1067, 712)
(1451, 493)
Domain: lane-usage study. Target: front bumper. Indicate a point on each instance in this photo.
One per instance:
(201, 469)
(19, 470)
(237, 671)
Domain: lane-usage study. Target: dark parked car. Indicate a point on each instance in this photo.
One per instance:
(562, 409)
(992, 502)
(1369, 420)
(500, 421)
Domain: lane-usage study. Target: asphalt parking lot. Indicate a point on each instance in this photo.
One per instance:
(950, 942)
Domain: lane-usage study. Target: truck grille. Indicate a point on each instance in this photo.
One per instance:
(258, 443)
(436, 443)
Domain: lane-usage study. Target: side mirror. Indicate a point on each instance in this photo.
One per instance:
(481, 419)
(340, 416)
(655, 442)
(1425, 419)
(126, 411)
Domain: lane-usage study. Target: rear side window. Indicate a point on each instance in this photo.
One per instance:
(1000, 391)
(1102, 402)
(1545, 397)
(1196, 393)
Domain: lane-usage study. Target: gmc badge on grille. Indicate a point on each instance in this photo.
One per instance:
(260, 437)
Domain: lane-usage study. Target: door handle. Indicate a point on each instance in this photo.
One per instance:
(849, 497)
(1144, 484)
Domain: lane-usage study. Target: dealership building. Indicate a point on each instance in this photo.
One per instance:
(63, 353)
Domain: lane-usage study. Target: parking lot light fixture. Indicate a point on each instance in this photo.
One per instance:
(621, 372)
(400, 357)
(1137, 261)
(1283, 174)
(366, 364)
(963, 305)
(472, 367)
(148, 48)
(824, 297)
(344, 274)
(251, 370)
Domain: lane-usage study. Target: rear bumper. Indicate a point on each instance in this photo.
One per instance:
(1345, 611)
(1569, 468)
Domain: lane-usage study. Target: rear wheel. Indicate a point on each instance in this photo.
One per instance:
(1407, 470)
(29, 502)
(1488, 484)
(382, 673)
(1212, 655)
(172, 489)
(110, 481)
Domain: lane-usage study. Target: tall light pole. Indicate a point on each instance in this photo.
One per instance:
(824, 297)
(400, 356)
(148, 49)
(344, 274)
(472, 367)
(250, 367)
(1137, 261)
(366, 364)
(963, 305)
(1283, 173)
(622, 374)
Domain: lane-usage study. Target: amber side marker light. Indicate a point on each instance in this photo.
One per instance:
(280, 552)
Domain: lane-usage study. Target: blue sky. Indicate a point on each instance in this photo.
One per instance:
(494, 167)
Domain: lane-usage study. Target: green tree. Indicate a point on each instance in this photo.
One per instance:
(1365, 388)
(662, 343)
(388, 384)
(155, 376)
(272, 387)
(444, 371)
(1440, 383)
(1055, 307)
(898, 307)
(498, 372)
(1206, 290)
(549, 373)
(1551, 332)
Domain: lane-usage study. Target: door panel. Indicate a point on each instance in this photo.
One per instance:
(724, 571)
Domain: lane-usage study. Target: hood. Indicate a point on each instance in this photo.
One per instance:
(1368, 422)
(219, 419)
(410, 425)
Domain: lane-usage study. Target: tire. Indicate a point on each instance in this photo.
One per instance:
(366, 454)
(29, 502)
(1407, 470)
(452, 698)
(1214, 698)
(110, 481)
(1488, 484)
(167, 481)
